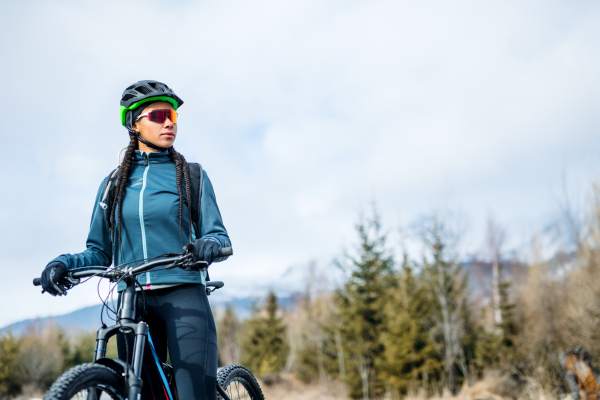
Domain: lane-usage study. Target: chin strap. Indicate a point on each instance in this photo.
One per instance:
(147, 143)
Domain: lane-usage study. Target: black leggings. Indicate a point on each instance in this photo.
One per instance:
(180, 319)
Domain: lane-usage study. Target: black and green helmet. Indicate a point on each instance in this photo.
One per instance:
(142, 92)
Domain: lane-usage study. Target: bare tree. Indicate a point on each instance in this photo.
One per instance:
(495, 240)
(229, 326)
(447, 282)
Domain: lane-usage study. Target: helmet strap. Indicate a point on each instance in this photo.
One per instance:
(147, 143)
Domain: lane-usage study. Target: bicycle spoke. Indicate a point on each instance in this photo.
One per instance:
(92, 394)
(233, 390)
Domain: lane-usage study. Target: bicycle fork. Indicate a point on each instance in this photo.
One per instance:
(132, 375)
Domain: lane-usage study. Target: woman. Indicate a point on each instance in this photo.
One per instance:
(149, 216)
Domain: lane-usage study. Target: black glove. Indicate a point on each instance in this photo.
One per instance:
(205, 250)
(50, 277)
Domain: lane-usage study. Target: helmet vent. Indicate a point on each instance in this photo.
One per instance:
(144, 91)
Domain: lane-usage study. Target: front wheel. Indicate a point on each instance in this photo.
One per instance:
(89, 382)
(238, 383)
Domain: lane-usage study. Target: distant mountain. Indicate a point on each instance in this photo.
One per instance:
(88, 318)
(85, 319)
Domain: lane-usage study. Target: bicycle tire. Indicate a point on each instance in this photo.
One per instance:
(84, 377)
(232, 377)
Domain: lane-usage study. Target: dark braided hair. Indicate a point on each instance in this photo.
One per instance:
(181, 170)
(121, 183)
(188, 193)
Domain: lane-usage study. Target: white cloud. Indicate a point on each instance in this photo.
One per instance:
(301, 112)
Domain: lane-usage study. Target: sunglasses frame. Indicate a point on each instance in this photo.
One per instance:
(162, 109)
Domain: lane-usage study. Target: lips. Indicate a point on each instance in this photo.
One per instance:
(168, 134)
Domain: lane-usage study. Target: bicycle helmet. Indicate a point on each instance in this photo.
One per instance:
(142, 92)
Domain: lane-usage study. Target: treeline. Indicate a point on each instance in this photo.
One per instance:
(434, 322)
(30, 363)
(395, 322)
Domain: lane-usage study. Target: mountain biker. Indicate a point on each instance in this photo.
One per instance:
(149, 216)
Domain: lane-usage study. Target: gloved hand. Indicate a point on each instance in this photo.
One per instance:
(50, 277)
(205, 250)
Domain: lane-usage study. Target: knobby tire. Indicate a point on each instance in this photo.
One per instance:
(239, 383)
(84, 377)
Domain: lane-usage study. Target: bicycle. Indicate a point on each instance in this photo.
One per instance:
(120, 380)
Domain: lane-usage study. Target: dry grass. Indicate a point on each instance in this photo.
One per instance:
(289, 388)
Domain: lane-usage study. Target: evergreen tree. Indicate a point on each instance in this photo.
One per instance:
(78, 350)
(264, 344)
(487, 350)
(9, 353)
(410, 358)
(361, 302)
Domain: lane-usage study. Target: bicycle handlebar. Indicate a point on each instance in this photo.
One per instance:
(102, 271)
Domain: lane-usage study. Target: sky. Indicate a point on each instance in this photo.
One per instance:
(303, 113)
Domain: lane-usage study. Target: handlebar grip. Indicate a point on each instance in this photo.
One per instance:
(225, 252)
(37, 281)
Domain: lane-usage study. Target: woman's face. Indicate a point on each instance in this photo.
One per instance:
(162, 135)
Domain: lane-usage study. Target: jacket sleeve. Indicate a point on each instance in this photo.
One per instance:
(99, 246)
(211, 222)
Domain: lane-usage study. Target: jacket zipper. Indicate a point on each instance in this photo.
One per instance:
(141, 212)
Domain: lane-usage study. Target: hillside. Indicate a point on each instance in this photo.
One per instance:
(88, 318)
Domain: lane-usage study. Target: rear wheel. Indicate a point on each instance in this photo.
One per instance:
(87, 382)
(238, 383)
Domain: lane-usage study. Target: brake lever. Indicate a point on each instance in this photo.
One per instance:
(67, 282)
(72, 281)
(182, 260)
(196, 266)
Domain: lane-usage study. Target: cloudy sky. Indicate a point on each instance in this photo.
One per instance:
(302, 112)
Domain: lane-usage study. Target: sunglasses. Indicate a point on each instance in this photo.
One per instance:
(159, 116)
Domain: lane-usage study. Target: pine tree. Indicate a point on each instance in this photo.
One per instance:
(409, 358)
(79, 349)
(361, 302)
(9, 353)
(264, 344)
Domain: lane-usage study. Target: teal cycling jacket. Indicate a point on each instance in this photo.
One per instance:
(150, 225)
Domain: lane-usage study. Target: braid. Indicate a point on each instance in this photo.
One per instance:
(188, 191)
(176, 157)
(122, 183)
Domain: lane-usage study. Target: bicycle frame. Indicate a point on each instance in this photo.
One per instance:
(127, 323)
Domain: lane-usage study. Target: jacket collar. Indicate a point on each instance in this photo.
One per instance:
(153, 158)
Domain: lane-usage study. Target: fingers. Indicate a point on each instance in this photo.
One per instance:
(54, 289)
(51, 290)
(59, 290)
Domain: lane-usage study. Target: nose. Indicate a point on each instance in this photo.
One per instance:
(168, 123)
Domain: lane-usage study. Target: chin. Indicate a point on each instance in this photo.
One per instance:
(166, 143)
